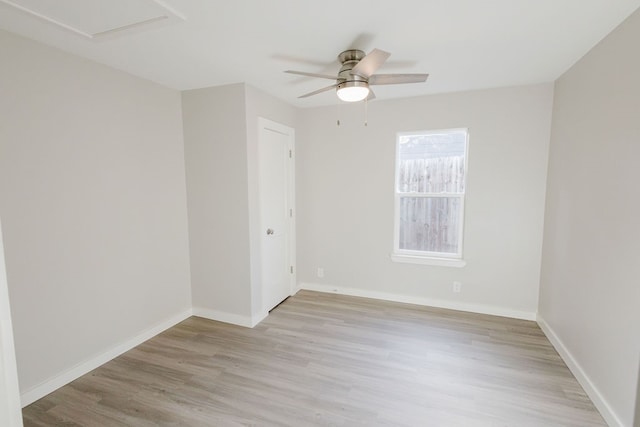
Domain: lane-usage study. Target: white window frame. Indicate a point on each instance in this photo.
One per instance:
(425, 257)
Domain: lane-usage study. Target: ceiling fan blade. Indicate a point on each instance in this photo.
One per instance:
(371, 96)
(393, 79)
(370, 63)
(302, 73)
(362, 41)
(315, 92)
(302, 60)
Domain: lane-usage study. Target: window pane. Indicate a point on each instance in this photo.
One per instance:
(430, 224)
(432, 163)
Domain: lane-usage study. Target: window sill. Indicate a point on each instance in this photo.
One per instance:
(441, 262)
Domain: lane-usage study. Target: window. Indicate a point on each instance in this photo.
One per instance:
(429, 196)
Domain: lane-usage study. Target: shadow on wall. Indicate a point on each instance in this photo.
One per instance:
(636, 418)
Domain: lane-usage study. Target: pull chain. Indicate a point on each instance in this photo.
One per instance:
(338, 120)
(366, 111)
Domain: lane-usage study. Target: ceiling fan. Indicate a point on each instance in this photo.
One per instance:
(357, 74)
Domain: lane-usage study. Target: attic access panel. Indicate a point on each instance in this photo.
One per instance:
(98, 19)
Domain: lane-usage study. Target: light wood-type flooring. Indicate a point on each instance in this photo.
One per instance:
(331, 360)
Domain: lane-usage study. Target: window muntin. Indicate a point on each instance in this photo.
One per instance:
(429, 193)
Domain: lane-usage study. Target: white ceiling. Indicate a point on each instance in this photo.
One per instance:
(462, 44)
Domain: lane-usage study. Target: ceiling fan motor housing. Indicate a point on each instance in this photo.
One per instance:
(349, 59)
(351, 55)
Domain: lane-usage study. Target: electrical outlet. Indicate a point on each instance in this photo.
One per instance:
(320, 272)
(457, 287)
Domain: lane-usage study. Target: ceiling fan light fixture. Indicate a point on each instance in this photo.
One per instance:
(353, 91)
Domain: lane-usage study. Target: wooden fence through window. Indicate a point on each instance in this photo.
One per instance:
(427, 222)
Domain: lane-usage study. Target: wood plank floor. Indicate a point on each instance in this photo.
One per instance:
(330, 360)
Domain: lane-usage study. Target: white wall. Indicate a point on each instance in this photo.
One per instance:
(590, 292)
(636, 419)
(221, 140)
(216, 165)
(259, 104)
(93, 204)
(345, 178)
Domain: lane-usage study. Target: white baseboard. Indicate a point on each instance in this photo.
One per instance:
(232, 318)
(594, 394)
(257, 318)
(452, 305)
(89, 365)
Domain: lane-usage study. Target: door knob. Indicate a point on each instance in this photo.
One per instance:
(269, 231)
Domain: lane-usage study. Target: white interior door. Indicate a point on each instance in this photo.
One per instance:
(10, 408)
(275, 165)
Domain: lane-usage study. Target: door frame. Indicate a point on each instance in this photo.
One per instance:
(10, 404)
(270, 125)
